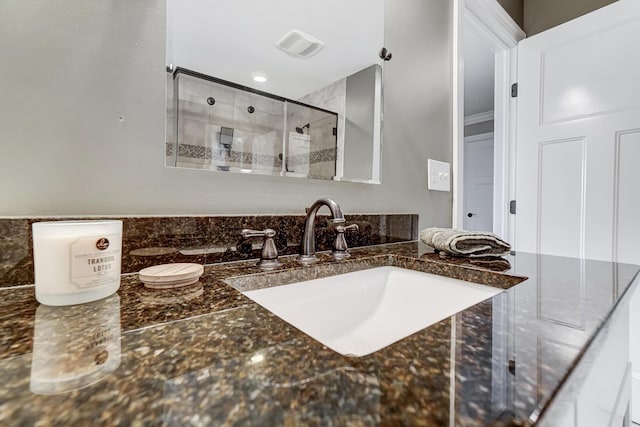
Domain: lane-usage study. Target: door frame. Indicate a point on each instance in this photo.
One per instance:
(488, 18)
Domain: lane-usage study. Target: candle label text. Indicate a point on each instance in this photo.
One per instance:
(95, 260)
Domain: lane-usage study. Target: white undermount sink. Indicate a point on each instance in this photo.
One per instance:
(361, 312)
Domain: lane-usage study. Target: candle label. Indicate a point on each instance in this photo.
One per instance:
(95, 260)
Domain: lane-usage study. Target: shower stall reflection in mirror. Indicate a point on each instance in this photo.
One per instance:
(218, 125)
(502, 34)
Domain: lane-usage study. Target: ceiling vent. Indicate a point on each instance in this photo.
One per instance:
(299, 44)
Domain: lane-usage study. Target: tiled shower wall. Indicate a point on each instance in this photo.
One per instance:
(257, 138)
(151, 241)
(321, 154)
(257, 135)
(326, 147)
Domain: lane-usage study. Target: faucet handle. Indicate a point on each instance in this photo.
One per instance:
(343, 228)
(340, 249)
(269, 254)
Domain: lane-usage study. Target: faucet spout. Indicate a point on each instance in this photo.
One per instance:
(308, 245)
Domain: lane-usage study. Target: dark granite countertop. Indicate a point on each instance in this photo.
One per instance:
(207, 355)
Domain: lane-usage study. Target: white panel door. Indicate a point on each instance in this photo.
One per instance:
(578, 145)
(478, 182)
(578, 111)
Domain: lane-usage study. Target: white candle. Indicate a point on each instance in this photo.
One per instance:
(76, 261)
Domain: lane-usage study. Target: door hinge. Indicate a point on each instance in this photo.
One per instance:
(514, 90)
(512, 207)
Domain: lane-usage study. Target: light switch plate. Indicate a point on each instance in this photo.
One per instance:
(439, 175)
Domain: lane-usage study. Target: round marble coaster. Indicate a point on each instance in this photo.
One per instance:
(168, 276)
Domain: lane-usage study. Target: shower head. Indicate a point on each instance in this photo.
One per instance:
(301, 129)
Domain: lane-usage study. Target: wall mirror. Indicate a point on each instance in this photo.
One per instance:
(286, 87)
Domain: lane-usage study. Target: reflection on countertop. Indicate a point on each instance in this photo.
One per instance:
(207, 355)
(75, 346)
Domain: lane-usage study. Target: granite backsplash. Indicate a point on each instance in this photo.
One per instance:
(156, 240)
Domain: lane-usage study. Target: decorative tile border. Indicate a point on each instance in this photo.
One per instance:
(199, 152)
(150, 241)
(320, 156)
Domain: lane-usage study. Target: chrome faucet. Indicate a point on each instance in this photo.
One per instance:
(308, 246)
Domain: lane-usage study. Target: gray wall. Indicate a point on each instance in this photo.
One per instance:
(82, 119)
(515, 8)
(535, 16)
(540, 15)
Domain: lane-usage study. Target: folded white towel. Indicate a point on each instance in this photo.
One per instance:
(465, 243)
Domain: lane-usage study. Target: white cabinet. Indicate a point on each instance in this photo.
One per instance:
(554, 321)
(635, 356)
(598, 392)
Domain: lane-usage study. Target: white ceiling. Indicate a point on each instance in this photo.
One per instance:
(236, 39)
(479, 70)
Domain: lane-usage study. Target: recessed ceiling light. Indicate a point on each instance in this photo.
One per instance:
(259, 79)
